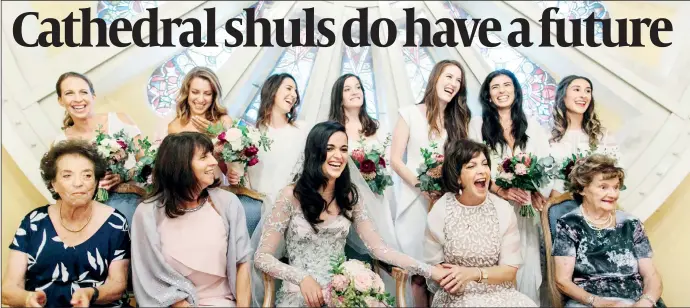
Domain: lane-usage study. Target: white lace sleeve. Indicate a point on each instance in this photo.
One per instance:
(367, 231)
(273, 232)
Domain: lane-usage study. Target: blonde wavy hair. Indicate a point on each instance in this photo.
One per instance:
(215, 111)
(590, 121)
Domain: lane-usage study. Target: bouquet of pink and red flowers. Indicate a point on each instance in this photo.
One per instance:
(371, 162)
(526, 172)
(430, 170)
(143, 170)
(238, 146)
(115, 149)
(354, 284)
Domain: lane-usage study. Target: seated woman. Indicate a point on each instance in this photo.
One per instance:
(602, 255)
(73, 252)
(189, 240)
(314, 217)
(474, 234)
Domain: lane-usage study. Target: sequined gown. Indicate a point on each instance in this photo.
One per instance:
(310, 254)
(483, 236)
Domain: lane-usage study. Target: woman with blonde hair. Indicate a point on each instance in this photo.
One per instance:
(76, 94)
(441, 115)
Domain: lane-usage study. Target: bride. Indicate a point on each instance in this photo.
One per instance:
(314, 216)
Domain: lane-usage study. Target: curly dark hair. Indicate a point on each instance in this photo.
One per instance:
(457, 154)
(312, 177)
(173, 177)
(587, 168)
(49, 162)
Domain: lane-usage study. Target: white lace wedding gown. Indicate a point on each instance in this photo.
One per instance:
(310, 253)
(529, 275)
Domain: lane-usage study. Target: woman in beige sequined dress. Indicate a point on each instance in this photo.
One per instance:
(473, 233)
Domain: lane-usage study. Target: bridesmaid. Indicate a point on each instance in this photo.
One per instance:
(576, 126)
(349, 108)
(76, 94)
(505, 129)
(278, 119)
(199, 105)
(442, 114)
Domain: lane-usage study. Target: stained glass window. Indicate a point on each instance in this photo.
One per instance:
(165, 81)
(298, 61)
(111, 10)
(357, 60)
(538, 86)
(418, 64)
(580, 10)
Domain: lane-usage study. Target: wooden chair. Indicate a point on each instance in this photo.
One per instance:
(555, 208)
(400, 276)
(252, 201)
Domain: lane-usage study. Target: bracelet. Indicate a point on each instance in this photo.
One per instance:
(28, 295)
(648, 298)
(590, 300)
(481, 274)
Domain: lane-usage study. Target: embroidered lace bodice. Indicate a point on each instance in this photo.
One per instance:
(310, 253)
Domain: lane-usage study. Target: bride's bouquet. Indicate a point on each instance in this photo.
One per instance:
(430, 170)
(354, 284)
(238, 146)
(143, 170)
(526, 172)
(115, 149)
(371, 162)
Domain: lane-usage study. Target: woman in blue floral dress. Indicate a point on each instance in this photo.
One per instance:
(602, 255)
(74, 252)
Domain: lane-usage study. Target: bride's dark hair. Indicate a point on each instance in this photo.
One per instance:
(312, 177)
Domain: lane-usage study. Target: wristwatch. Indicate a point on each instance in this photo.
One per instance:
(95, 295)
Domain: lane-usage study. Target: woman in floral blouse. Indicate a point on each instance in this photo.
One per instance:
(603, 257)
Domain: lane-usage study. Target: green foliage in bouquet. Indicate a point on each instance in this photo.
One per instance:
(371, 163)
(143, 170)
(429, 171)
(115, 150)
(526, 172)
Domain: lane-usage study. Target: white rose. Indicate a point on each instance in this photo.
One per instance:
(254, 136)
(234, 137)
(103, 151)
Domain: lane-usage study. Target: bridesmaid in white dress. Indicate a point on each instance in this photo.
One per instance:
(76, 94)
(505, 129)
(278, 119)
(576, 126)
(349, 108)
(442, 114)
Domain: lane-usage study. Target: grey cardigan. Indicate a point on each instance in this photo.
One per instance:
(156, 283)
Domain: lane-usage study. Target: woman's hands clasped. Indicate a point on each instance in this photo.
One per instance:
(311, 291)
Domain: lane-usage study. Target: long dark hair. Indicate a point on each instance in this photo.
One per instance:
(173, 177)
(268, 94)
(369, 124)
(492, 131)
(590, 122)
(456, 117)
(312, 178)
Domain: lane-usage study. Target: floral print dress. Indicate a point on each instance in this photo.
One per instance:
(58, 270)
(606, 260)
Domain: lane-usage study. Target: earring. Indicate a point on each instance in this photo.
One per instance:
(460, 192)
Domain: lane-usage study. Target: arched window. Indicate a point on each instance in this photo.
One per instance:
(418, 64)
(298, 61)
(166, 80)
(358, 61)
(111, 10)
(538, 86)
(580, 10)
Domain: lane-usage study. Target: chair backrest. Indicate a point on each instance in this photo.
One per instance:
(252, 201)
(557, 208)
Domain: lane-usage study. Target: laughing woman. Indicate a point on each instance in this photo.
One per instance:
(76, 94)
(314, 216)
(474, 234)
(190, 244)
(505, 129)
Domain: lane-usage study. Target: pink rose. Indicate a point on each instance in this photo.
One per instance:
(340, 282)
(253, 161)
(379, 286)
(326, 296)
(373, 302)
(363, 281)
(520, 169)
(525, 158)
(221, 137)
(358, 155)
(438, 158)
